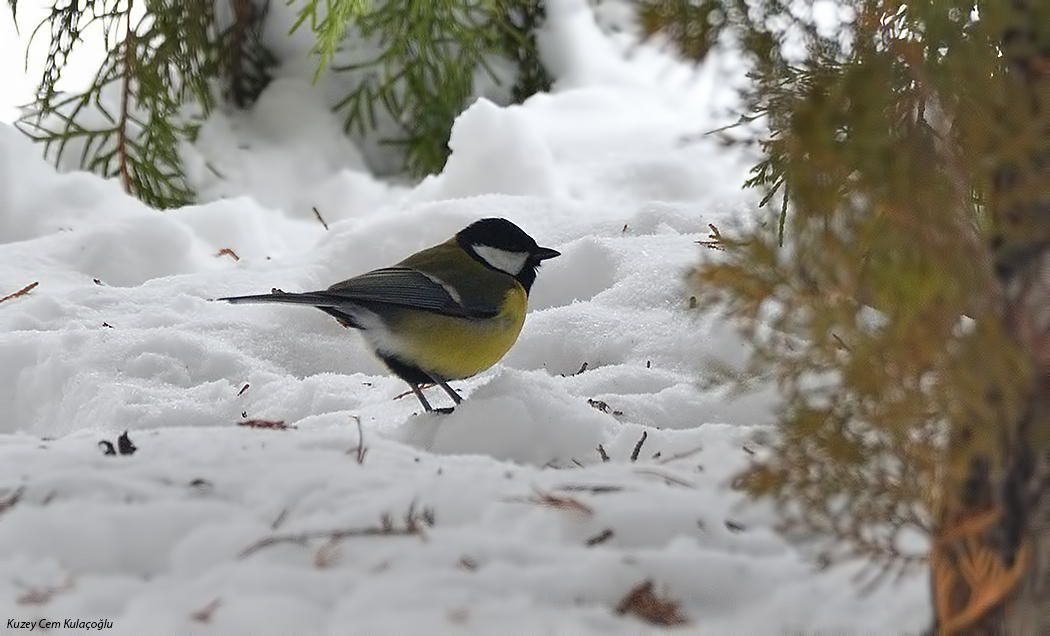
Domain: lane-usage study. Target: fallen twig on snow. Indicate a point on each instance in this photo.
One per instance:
(552, 500)
(408, 393)
(599, 538)
(682, 455)
(360, 449)
(318, 215)
(638, 446)
(597, 489)
(278, 425)
(21, 292)
(415, 523)
(16, 496)
(204, 614)
(671, 479)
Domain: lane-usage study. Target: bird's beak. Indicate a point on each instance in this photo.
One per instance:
(544, 253)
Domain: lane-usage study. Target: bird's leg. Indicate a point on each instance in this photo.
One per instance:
(419, 394)
(451, 392)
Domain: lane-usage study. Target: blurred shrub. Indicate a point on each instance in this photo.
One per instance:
(692, 26)
(893, 294)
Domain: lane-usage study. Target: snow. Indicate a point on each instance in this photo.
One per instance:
(520, 527)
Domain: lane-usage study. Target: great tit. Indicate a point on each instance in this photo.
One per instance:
(445, 313)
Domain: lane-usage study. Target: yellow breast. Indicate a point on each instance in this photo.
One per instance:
(455, 348)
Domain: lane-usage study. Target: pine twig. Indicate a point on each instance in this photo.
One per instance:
(122, 126)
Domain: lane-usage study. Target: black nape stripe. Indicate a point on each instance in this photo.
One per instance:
(499, 233)
(504, 235)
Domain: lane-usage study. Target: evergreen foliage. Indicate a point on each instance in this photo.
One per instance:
(881, 317)
(248, 62)
(160, 58)
(430, 54)
(164, 60)
(693, 27)
(329, 25)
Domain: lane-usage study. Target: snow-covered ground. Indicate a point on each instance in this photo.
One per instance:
(500, 518)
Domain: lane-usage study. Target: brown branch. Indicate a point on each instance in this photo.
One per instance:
(270, 424)
(969, 577)
(319, 218)
(422, 387)
(21, 292)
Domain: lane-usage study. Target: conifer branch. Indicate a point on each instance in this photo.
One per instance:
(126, 79)
(961, 224)
(891, 148)
(430, 53)
(153, 68)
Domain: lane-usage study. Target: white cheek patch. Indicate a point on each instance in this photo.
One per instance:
(510, 262)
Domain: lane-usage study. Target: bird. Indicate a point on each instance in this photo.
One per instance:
(445, 313)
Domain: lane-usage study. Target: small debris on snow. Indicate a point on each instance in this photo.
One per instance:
(643, 603)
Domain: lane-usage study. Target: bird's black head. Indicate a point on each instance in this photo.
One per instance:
(501, 245)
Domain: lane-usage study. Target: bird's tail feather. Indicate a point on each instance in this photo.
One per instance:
(315, 299)
(334, 306)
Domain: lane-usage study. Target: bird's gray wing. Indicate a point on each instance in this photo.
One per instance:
(405, 287)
